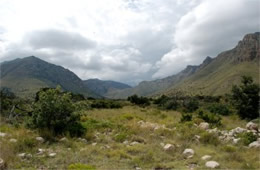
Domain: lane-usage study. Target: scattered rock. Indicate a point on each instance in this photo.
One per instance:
(204, 126)
(22, 155)
(63, 139)
(52, 154)
(40, 139)
(251, 126)
(40, 151)
(215, 130)
(255, 144)
(239, 130)
(168, 147)
(134, 143)
(2, 134)
(13, 140)
(206, 157)
(188, 153)
(212, 164)
(125, 142)
(236, 140)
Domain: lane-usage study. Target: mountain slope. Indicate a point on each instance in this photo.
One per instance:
(103, 87)
(226, 70)
(26, 76)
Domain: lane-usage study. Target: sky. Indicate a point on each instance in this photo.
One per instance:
(124, 40)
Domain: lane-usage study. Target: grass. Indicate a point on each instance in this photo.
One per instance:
(109, 128)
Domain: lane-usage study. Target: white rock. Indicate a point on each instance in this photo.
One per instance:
(22, 155)
(52, 154)
(13, 140)
(255, 144)
(2, 134)
(94, 144)
(212, 164)
(40, 151)
(215, 130)
(206, 157)
(204, 126)
(168, 147)
(125, 142)
(251, 126)
(188, 153)
(40, 139)
(2, 163)
(162, 144)
(236, 140)
(63, 139)
(138, 168)
(28, 155)
(134, 143)
(239, 130)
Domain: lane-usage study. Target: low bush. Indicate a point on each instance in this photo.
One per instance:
(186, 117)
(209, 117)
(247, 137)
(190, 104)
(79, 166)
(142, 101)
(218, 108)
(209, 138)
(102, 104)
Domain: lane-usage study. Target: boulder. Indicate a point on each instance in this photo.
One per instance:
(52, 154)
(206, 157)
(212, 164)
(134, 143)
(40, 139)
(63, 139)
(2, 134)
(188, 153)
(252, 126)
(13, 140)
(204, 126)
(22, 155)
(168, 147)
(255, 144)
(236, 140)
(239, 130)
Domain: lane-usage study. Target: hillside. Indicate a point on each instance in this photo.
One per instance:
(214, 76)
(102, 87)
(225, 70)
(27, 75)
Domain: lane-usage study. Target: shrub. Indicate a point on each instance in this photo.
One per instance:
(245, 98)
(191, 104)
(79, 166)
(247, 138)
(209, 117)
(171, 104)
(105, 104)
(54, 110)
(186, 117)
(143, 101)
(209, 138)
(218, 108)
(121, 137)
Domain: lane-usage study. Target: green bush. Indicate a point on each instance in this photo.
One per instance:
(121, 137)
(143, 101)
(218, 108)
(54, 110)
(190, 105)
(105, 104)
(247, 138)
(246, 98)
(209, 117)
(79, 166)
(186, 117)
(171, 104)
(209, 138)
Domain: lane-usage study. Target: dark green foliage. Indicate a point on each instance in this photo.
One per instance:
(186, 117)
(245, 98)
(105, 104)
(209, 138)
(161, 100)
(247, 137)
(77, 97)
(218, 108)
(171, 104)
(143, 101)
(54, 111)
(191, 104)
(6, 100)
(209, 117)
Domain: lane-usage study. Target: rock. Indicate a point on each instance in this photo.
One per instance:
(2, 134)
(138, 168)
(204, 126)
(28, 155)
(52, 154)
(2, 163)
(63, 139)
(40, 139)
(40, 151)
(168, 147)
(212, 164)
(206, 157)
(162, 144)
(22, 155)
(83, 140)
(255, 144)
(236, 140)
(251, 126)
(134, 143)
(94, 144)
(13, 140)
(125, 142)
(188, 153)
(239, 130)
(215, 130)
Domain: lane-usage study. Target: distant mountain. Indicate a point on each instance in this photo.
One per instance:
(102, 87)
(215, 76)
(27, 75)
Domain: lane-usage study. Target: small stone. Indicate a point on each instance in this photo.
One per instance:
(206, 157)
(162, 144)
(2, 134)
(125, 142)
(13, 140)
(212, 164)
(168, 147)
(255, 144)
(40, 151)
(134, 143)
(28, 155)
(204, 126)
(251, 126)
(40, 139)
(236, 140)
(63, 139)
(22, 155)
(52, 154)
(2, 163)
(94, 144)
(188, 152)
(138, 168)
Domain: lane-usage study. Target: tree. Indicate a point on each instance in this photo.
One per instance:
(245, 98)
(54, 110)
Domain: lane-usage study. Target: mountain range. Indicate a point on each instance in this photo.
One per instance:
(215, 76)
